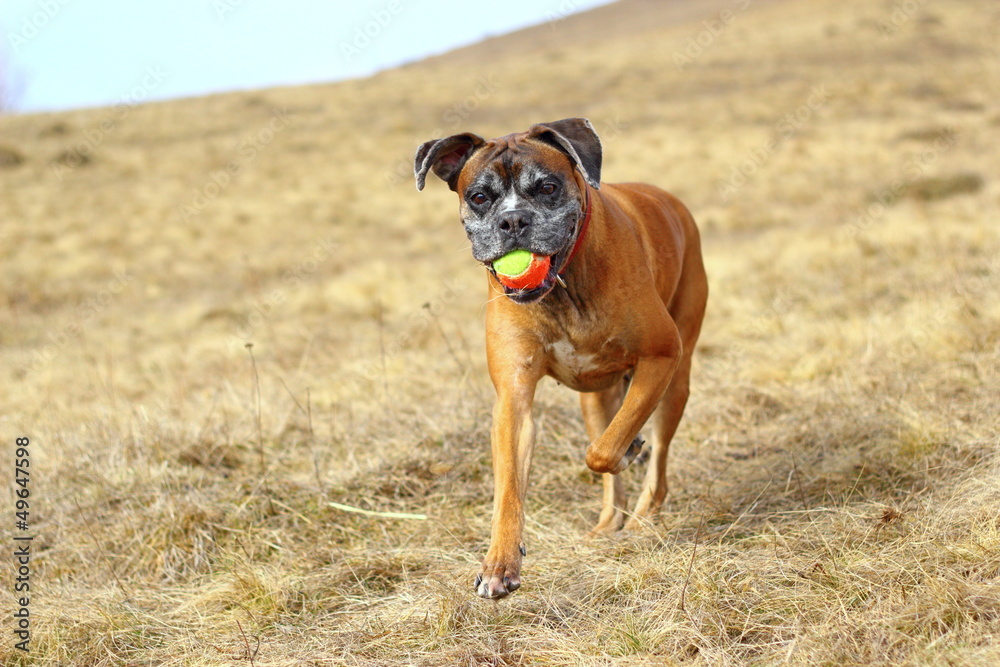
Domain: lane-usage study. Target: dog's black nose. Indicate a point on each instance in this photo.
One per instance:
(514, 221)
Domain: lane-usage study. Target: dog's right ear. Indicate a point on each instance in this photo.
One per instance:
(446, 156)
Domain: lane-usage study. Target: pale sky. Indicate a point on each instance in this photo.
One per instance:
(60, 54)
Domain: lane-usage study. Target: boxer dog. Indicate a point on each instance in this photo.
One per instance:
(615, 318)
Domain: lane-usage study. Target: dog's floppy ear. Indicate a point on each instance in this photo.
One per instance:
(576, 138)
(446, 156)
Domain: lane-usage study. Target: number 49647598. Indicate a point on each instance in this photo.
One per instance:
(21, 476)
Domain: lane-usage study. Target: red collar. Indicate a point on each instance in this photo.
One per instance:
(581, 232)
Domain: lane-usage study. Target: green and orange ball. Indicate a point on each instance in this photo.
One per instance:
(522, 269)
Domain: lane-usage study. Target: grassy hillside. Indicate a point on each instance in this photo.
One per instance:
(835, 485)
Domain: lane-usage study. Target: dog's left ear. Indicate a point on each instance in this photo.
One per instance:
(446, 156)
(576, 138)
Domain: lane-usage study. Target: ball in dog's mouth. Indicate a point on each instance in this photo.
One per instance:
(522, 269)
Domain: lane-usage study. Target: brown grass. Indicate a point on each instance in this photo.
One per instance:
(835, 491)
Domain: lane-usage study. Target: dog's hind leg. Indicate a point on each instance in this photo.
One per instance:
(665, 419)
(688, 310)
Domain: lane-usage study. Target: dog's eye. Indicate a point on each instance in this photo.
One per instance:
(548, 189)
(479, 198)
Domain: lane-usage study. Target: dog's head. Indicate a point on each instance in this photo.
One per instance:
(522, 191)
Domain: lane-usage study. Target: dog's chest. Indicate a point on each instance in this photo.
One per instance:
(587, 367)
(567, 359)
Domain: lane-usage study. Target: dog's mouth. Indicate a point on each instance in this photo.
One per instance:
(530, 295)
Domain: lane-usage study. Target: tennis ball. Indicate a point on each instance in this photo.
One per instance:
(513, 263)
(520, 269)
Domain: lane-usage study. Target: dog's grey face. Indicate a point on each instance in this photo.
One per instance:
(520, 191)
(515, 202)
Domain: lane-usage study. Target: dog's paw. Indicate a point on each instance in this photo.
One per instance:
(499, 577)
(598, 459)
(643, 457)
(607, 525)
(631, 454)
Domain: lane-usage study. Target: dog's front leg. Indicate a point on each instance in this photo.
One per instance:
(618, 445)
(513, 441)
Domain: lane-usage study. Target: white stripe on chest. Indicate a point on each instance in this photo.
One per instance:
(567, 359)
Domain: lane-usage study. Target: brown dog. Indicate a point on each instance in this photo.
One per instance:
(616, 317)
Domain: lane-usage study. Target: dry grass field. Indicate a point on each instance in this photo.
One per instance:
(835, 484)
